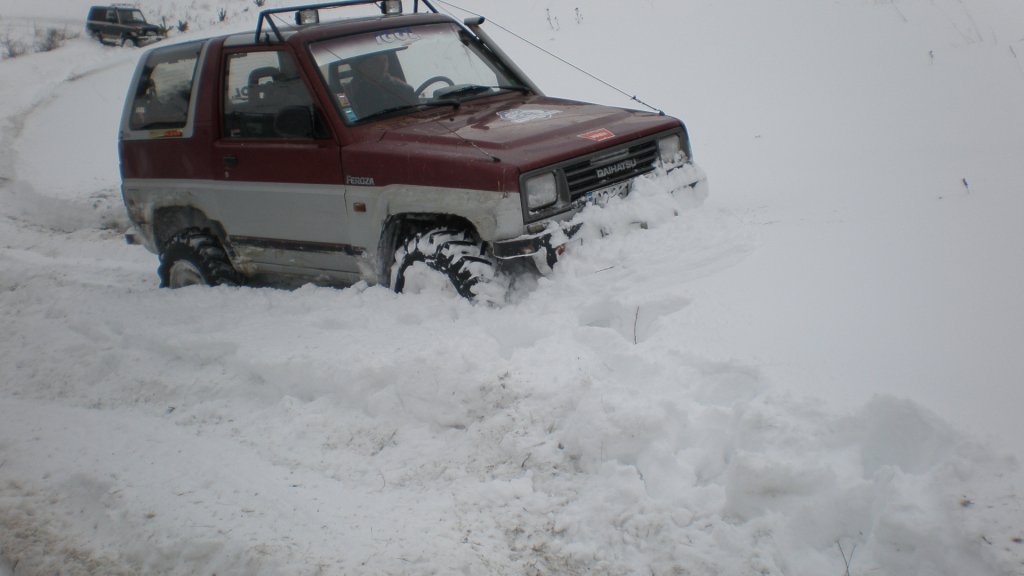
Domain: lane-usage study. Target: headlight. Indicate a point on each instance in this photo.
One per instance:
(671, 150)
(541, 191)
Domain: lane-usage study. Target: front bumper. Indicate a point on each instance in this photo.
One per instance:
(147, 39)
(544, 247)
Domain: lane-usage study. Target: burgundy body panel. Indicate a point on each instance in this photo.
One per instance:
(475, 146)
(167, 158)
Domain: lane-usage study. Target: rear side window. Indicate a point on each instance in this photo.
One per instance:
(164, 90)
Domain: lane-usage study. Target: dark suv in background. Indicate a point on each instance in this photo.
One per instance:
(119, 24)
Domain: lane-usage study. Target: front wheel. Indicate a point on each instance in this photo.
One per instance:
(457, 256)
(195, 257)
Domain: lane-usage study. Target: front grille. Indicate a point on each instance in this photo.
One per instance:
(597, 175)
(611, 167)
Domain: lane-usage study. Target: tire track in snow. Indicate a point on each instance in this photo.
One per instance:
(50, 73)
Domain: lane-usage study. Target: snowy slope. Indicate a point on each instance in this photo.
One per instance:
(816, 372)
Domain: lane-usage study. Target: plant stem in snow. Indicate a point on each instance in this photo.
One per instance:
(1016, 59)
(846, 560)
(636, 318)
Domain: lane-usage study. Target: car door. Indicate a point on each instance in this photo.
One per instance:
(282, 189)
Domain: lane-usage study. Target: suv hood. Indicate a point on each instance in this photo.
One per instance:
(527, 132)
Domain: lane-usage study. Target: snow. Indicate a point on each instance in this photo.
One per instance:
(817, 371)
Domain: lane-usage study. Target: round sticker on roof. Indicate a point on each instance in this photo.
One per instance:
(523, 116)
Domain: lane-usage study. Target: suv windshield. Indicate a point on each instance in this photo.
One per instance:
(405, 69)
(131, 17)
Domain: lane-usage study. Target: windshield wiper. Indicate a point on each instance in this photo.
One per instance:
(460, 90)
(410, 107)
(520, 88)
(444, 102)
(387, 111)
(451, 96)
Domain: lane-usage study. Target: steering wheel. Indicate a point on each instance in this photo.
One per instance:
(433, 80)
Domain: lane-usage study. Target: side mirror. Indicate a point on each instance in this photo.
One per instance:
(294, 122)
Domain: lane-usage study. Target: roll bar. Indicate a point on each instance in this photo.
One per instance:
(265, 15)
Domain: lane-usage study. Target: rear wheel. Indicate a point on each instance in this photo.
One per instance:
(195, 257)
(457, 257)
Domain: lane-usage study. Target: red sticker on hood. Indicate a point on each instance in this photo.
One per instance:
(599, 135)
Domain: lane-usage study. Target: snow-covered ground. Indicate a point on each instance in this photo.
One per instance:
(816, 372)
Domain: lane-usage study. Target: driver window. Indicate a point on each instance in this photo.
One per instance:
(265, 97)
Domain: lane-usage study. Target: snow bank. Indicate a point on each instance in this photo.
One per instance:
(254, 431)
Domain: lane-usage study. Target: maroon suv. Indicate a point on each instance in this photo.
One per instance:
(361, 148)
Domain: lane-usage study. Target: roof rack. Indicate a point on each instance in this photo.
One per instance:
(265, 15)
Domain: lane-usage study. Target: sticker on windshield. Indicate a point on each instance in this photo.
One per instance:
(402, 37)
(523, 116)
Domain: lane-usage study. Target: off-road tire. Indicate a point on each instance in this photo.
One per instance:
(195, 256)
(456, 254)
